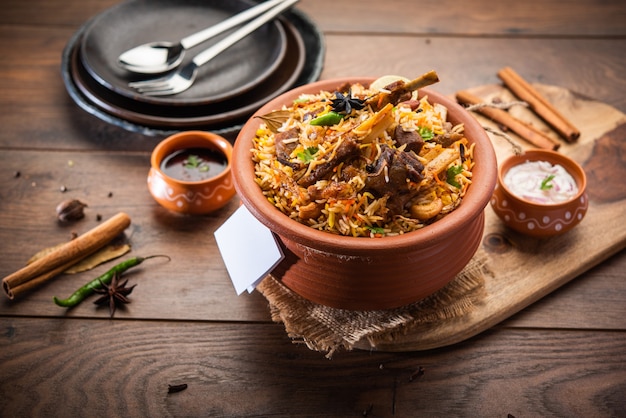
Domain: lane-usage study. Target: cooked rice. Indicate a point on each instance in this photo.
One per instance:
(357, 211)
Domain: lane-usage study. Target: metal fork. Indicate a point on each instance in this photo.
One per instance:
(184, 77)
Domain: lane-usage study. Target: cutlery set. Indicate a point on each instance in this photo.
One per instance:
(161, 56)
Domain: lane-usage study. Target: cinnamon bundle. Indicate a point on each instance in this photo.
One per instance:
(64, 257)
(524, 130)
(524, 91)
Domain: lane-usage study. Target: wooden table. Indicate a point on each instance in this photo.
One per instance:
(562, 356)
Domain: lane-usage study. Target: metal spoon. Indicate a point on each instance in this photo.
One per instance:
(161, 56)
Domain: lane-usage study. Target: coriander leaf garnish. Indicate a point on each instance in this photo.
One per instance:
(375, 229)
(452, 173)
(308, 154)
(546, 184)
(192, 161)
(195, 162)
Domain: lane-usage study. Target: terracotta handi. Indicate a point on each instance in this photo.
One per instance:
(541, 219)
(363, 273)
(191, 172)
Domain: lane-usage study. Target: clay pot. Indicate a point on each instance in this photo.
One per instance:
(191, 197)
(535, 219)
(371, 273)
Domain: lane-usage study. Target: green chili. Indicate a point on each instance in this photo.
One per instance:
(88, 289)
(328, 119)
(426, 133)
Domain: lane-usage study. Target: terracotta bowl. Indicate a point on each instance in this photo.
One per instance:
(371, 273)
(536, 219)
(191, 197)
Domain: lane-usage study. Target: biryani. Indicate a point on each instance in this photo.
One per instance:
(363, 161)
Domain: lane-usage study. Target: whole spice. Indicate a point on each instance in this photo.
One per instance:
(63, 257)
(538, 103)
(345, 103)
(98, 283)
(111, 251)
(274, 120)
(417, 374)
(176, 388)
(503, 118)
(70, 210)
(113, 293)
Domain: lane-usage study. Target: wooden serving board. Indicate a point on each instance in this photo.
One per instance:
(521, 269)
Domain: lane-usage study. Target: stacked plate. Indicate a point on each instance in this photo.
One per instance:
(279, 56)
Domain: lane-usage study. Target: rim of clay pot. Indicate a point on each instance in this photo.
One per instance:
(474, 202)
(192, 139)
(552, 157)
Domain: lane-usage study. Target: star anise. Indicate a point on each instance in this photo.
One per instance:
(113, 293)
(345, 103)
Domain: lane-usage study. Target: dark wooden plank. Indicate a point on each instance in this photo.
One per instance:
(54, 121)
(73, 13)
(474, 17)
(37, 104)
(123, 368)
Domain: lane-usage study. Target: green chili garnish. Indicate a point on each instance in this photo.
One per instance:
(328, 119)
(426, 133)
(546, 184)
(88, 289)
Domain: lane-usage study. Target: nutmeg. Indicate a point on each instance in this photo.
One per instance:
(70, 210)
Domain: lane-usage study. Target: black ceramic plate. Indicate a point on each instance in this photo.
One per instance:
(233, 72)
(95, 105)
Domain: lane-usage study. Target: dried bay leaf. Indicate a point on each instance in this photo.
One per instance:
(274, 120)
(103, 255)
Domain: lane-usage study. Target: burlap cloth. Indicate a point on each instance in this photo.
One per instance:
(326, 329)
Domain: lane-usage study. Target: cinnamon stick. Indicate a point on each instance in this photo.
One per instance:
(17, 291)
(63, 257)
(544, 109)
(524, 130)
